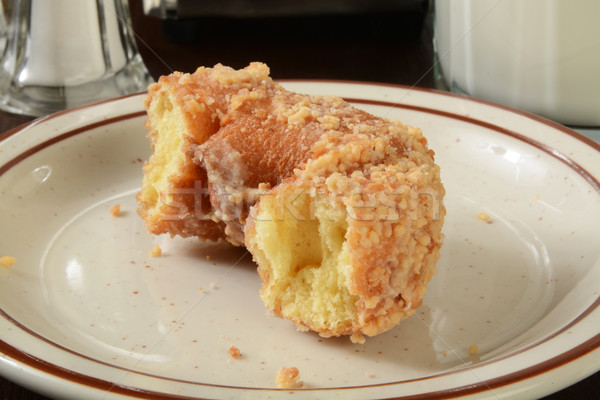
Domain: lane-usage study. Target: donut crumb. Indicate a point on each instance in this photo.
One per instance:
(484, 217)
(288, 378)
(7, 261)
(357, 338)
(115, 210)
(234, 352)
(156, 251)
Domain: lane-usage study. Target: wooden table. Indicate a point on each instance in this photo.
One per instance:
(381, 49)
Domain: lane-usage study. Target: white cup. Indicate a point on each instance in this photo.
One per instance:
(541, 56)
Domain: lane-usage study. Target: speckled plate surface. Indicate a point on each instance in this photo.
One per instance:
(86, 312)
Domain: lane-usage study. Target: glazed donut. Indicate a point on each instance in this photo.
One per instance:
(341, 210)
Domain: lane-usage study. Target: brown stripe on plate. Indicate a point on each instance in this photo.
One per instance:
(115, 387)
(73, 376)
(63, 136)
(10, 132)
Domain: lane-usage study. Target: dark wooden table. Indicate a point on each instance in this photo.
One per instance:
(381, 48)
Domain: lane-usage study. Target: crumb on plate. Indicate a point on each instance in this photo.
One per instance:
(115, 210)
(234, 352)
(484, 217)
(156, 251)
(473, 349)
(7, 261)
(357, 338)
(288, 378)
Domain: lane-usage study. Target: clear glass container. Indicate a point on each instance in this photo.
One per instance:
(64, 53)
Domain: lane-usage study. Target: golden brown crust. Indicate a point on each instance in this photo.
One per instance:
(384, 176)
(394, 219)
(181, 205)
(266, 133)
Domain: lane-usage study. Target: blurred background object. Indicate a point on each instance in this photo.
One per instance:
(64, 53)
(275, 8)
(542, 56)
(188, 21)
(2, 28)
(385, 41)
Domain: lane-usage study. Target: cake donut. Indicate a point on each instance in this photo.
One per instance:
(342, 210)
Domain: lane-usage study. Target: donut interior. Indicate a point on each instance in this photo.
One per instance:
(173, 198)
(304, 260)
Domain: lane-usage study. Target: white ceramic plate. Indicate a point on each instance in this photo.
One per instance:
(85, 312)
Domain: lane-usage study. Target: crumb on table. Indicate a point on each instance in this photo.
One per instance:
(234, 352)
(7, 261)
(156, 251)
(473, 349)
(115, 210)
(288, 378)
